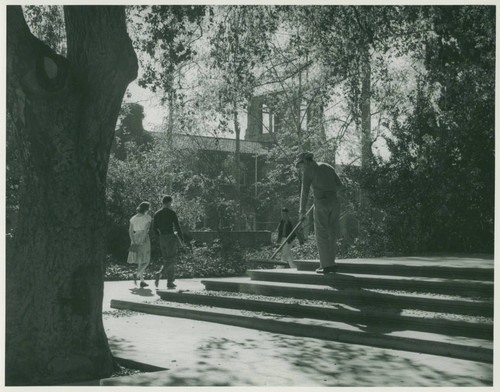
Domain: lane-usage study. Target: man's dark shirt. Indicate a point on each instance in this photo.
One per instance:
(165, 220)
(284, 230)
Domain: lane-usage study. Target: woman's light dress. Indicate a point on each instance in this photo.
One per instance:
(139, 227)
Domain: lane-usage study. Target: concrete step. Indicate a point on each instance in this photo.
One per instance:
(466, 288)
(464, 348)
(353, 297)
(436, 267)
(423, 322)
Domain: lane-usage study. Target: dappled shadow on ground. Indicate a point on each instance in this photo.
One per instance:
(166, 378)
(270, 359)
(361, 306)
(202, 370)
(143, 292)
(341, 364)
(381, 313)
(120, 346)
(310, 362)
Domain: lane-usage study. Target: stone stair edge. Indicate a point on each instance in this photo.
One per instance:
(361, 276)
(468, 288)
(304, 328)
(230, 301)
(428, 267)
(317, 287)
(415, 258)
(332, 305)
(325, 293)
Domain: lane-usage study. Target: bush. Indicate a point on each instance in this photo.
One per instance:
(216, 260)
(198, 262)
(371, 246)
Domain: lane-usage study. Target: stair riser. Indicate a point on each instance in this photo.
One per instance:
(356, 298)
(441, 326)
(316, 331)
(421, 272)
(342, 281)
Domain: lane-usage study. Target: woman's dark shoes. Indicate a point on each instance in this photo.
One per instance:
(134, 275)
(327, 270)
(171, 286)
(144, 284)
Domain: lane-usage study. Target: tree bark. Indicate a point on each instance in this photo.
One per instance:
(237, 158)
(366, 128)
(170, 134)
(64, 111)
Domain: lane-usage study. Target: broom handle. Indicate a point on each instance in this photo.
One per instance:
(293, 231)
(179, 239)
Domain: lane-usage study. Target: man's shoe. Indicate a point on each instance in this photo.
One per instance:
(171, 286)
(157, 279)
(326, 270)
(330, 269)
(144, 284)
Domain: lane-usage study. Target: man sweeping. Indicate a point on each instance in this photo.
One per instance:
(325, 182)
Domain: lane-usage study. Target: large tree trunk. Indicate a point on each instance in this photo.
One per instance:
(64, 112)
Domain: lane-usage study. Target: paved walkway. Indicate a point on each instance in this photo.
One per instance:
(127, 291)
(198, 353)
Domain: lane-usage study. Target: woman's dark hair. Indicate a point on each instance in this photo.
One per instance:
(143, 207)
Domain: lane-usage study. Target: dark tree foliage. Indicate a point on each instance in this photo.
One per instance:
(130, 134)
(437, 190)
(169, 35)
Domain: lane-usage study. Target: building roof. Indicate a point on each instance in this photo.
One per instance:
(209, 143)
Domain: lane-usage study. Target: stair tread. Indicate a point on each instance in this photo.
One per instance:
(371, 276)
(334, 325)
(450, 262)
(317, 305)
(326, 288)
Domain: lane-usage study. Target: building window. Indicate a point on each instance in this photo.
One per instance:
(304, 118)
(267, 120)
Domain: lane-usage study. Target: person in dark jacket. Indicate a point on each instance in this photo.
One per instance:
(284, 229)
(166, 225)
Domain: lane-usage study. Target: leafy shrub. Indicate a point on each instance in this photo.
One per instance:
(371, 246)
(198, 262)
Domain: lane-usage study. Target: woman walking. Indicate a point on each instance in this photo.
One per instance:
(140, 246)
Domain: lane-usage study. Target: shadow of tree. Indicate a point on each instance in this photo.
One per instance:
(283, 360)
(362, 307)
(120, 346)
(343, 364)
(364, 303)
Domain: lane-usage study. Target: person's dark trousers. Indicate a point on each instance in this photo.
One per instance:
(326, 218)
(168, 247)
